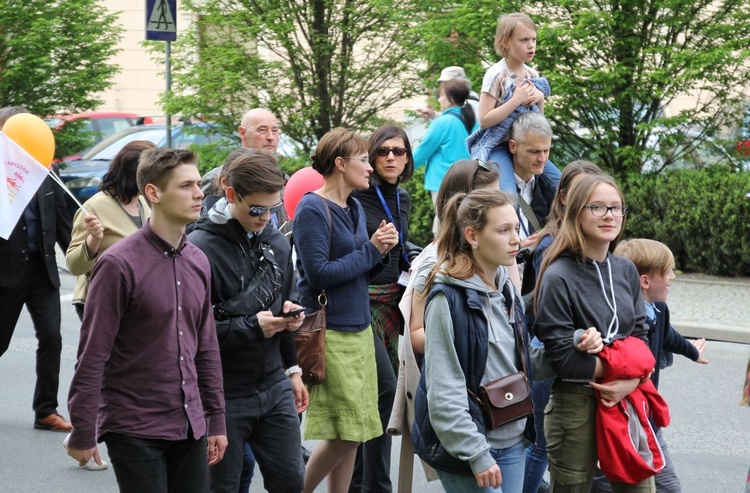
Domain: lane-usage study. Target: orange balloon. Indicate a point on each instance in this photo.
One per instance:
(33, 135)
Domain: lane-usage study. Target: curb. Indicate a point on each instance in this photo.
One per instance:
(725, 333)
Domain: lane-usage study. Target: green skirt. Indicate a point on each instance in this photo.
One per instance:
(345, 405)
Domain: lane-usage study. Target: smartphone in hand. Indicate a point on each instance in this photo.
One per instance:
(293, 313)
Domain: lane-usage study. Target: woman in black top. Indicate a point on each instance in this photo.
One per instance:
(392, 163)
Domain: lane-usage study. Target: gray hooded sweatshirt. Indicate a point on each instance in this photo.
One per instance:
(447, 395)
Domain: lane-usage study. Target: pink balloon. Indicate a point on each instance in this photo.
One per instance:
(302, 181)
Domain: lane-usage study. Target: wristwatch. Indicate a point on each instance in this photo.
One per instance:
(293, 369)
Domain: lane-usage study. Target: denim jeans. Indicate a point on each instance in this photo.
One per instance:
(248, 469)
(511, 462)
(144, 465)
(268, 422)
(502, 156)
(536, 453)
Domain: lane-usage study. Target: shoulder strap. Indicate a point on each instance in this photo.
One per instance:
(526, 208)
(458, 115)
(512, 304)
(322, 298)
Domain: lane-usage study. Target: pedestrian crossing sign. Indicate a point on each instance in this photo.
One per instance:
(161, 20)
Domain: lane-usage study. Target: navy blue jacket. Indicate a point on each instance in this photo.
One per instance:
(663, 340)
(341, 260)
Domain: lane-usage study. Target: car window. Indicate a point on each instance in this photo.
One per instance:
(88, 125)
(110, 150)
(185, 137)
(110, 126)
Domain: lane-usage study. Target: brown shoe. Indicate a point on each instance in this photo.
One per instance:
(53, 422)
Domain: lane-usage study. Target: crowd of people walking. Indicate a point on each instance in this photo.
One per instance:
(527, 337)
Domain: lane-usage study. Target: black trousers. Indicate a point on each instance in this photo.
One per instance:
(372, 469)
(42, 300)
(144, 465)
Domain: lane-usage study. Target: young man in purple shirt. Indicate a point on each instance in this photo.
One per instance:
(148, 380)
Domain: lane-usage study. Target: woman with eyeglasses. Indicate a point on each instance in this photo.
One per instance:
(392, 163)
(445, 140)
(338, 256)
(582, 285)
(252, 288)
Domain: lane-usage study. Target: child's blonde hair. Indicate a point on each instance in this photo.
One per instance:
(506, 26)
(649, 256)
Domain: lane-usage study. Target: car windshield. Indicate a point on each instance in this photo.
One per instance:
(109, 149)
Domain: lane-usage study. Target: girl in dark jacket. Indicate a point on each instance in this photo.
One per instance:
(582, 285)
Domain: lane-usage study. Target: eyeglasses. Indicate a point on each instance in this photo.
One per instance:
(598, 210)
(257, 211)
(384, 151)
(360, 159)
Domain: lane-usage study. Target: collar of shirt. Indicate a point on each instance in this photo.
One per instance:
(159, 244)
(651, 310)
(526, 188)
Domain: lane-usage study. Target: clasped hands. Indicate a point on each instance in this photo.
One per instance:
(385, 237)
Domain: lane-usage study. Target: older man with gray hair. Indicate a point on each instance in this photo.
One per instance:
(529, 144)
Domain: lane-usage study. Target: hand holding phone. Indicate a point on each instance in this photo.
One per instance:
(293, 313)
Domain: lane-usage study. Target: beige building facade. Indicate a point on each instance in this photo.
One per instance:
(140, 82)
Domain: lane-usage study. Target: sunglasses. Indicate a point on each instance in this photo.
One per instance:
(480, 165)
(256, 210)
(384, 151)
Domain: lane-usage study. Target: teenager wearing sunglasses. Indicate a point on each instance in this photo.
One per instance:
(392, 164)
(252, 286)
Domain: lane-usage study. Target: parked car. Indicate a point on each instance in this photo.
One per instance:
(83, 176)
(100, 123)
(743, 136)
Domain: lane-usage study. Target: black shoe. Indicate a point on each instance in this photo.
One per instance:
(306, 455)
(543, 487)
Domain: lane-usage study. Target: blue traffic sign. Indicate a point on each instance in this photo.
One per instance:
(161, 20)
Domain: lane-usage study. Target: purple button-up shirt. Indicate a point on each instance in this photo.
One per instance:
(148, 359)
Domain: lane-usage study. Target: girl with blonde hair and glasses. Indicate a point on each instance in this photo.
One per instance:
(582, 285)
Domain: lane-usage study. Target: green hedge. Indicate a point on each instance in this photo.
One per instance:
(700, 214)
(422, 212)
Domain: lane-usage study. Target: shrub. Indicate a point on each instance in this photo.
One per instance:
(700, 214)
(422, 211)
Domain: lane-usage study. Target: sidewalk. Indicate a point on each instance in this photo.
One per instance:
(716, 308)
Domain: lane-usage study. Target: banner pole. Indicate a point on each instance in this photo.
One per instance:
(57, 180)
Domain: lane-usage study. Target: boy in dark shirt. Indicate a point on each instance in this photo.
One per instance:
(148, 380)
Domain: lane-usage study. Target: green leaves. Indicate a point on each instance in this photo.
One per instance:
(699, 214)
(54, 57)
(316, 64)
(615, 68)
